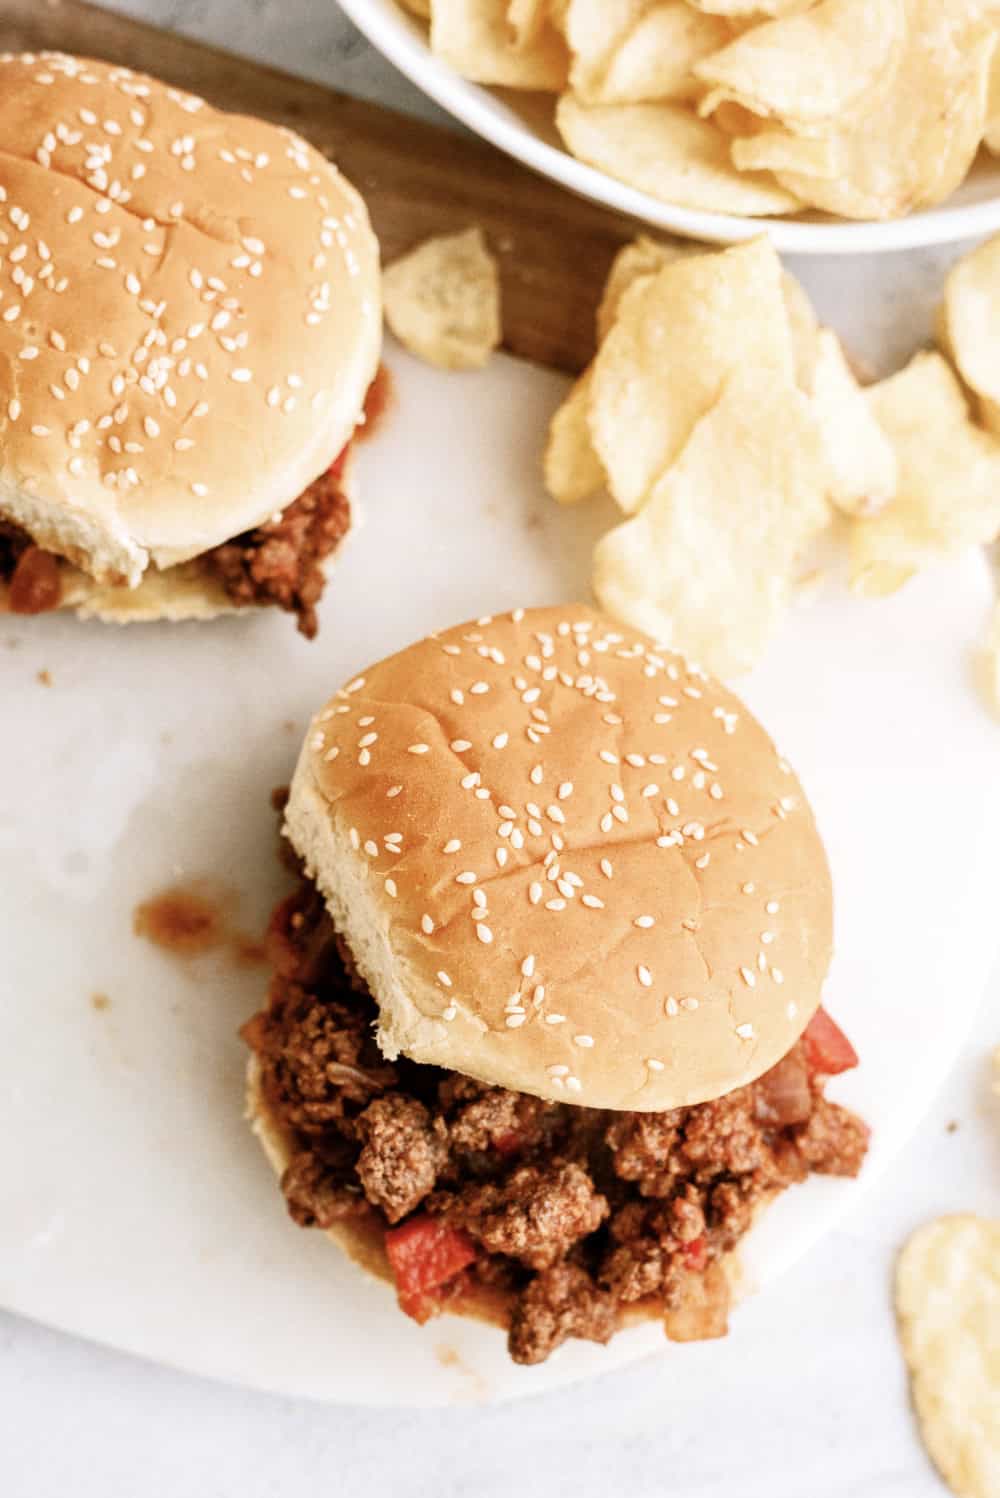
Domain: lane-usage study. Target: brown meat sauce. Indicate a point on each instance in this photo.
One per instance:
(574, 1213)
(276, 563)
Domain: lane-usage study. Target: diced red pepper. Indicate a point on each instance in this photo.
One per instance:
(827, 1048)
(696, 1254)
(425, 1254)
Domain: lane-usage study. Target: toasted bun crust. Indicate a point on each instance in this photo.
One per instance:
(566, 862)
(189, 316)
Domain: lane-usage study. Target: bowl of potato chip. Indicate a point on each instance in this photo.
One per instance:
(837, 126)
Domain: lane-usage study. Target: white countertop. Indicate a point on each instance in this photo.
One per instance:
(806, 1397)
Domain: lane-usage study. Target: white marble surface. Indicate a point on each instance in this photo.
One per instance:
(807, 1397)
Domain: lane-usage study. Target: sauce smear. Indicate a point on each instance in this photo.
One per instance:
(379, 402)
(188, 920)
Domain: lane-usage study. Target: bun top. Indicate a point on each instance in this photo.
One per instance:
(566, 862)
(189, 315)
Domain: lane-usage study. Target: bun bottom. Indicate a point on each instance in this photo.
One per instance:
(361, 1239)
(184, 592)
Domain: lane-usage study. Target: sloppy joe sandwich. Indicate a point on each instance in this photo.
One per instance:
(189, 322)
(543, 1033)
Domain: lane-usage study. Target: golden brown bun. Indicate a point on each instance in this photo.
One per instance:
(189, 316)
(566, 863)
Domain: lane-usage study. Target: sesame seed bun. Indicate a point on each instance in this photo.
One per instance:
(362, 1239)
(566, 862)
(189, 316)
(190, 591)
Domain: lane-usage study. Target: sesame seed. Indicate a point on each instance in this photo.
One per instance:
(654, 1064)
(390, 888)
(331, 754)
(748, 836)
(644, 922)
(466, 877)
(371, 848)
(478, 688)
(748, 977)
(393, 790)
(500, 741)
(535, 892)
(555, 1019)
(608, 757)
(772, 907)
(574, 1084)
(748, 888)
(418, 748)
(484, 933)
(555, 905)
(426, 925)
(767, 937)
(745, 1032)
(528, 966)
(449, 1013)
(452, 845)
(592, 902)
(586, 1041)
(460, 745)
(536, 775)
(791, 1010)
(443, 978)
(689, 1004)
(558, 1071)
(644, 976)
(777, 975)
(671, 1006)
(513, 1021)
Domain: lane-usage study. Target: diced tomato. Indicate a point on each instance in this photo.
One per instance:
(36, 585)
(696, 1254)
(425, 1254)
(827, 1048)
(508, 1144)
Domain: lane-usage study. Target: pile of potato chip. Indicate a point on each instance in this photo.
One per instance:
(730, 429)
(868, 109)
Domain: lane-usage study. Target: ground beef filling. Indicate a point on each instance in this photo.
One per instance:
(280, 562)
(573, 1213)
(276, 563)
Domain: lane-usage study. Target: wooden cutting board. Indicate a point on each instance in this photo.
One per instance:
(554, 248)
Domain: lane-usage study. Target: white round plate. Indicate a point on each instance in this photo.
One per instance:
(137, 1208)
(522, 126)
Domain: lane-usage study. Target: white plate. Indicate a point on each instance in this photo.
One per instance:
(522, 126)
(137, 1210)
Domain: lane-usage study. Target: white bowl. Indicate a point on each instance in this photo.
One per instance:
(519, 128)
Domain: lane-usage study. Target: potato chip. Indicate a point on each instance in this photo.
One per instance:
(948, 490)
(948, 1312)
(708, 564)
(970, 326)
(667, 151)
(915, 141)
(803, 326)
(805, 68)
(442, 301)
(630, 51)
(477, 39)
(991, 686)
(527, 20)
(572, 468)
(749, 8)
(991, 134)
(862, 466)
(779, 151)
(676, 339)
(642, 257)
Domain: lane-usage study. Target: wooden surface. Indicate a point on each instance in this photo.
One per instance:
(418, 180)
